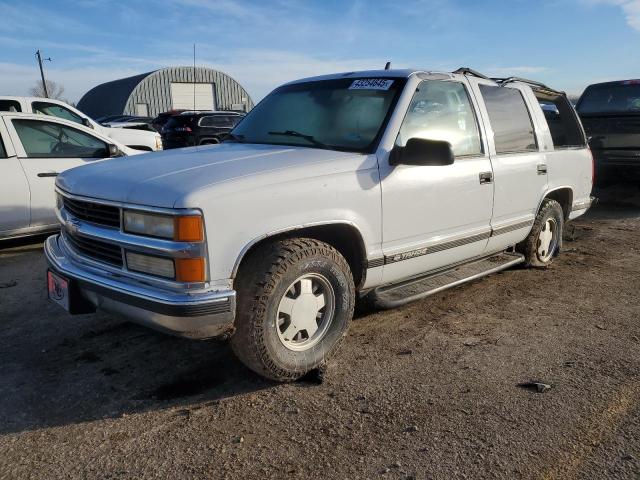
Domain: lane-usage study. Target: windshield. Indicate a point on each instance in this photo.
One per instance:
(623, 97)
(344, 114)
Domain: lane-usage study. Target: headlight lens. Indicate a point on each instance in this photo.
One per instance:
(162, 226)
(183, 228)
(160, 267)
(158, 142)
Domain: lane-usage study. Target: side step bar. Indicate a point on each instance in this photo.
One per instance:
(391, 296)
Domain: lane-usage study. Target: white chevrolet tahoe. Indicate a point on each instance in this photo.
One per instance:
(132, 138)
(390, 185)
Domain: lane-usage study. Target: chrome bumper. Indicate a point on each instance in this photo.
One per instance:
(199, 314)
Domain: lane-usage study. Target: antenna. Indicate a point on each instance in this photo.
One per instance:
(387, 66)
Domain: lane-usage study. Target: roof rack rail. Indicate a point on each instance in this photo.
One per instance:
(469, 71)
(533, 83)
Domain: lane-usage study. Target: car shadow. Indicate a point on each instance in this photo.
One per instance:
(88, 369)
(616, 201)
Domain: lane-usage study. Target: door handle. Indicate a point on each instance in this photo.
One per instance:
(542, 169)
(48, 174)
(486, 177)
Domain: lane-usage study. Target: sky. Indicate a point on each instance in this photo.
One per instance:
(567, 44)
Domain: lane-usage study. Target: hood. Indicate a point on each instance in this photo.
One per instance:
(167, 178)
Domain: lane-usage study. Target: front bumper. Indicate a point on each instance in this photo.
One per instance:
(201, 314)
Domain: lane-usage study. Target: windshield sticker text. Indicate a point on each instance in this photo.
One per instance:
(371, 84)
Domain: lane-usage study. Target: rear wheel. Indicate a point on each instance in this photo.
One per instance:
(210, 141)
(295, 303)
(545, 239)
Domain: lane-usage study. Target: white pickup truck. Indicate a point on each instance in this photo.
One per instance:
(391, 184)
(132, 138)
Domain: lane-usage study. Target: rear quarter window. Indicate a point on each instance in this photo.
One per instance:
(10, 106)
(510, 120)
(563, 123)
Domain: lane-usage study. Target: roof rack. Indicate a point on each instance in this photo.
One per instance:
(533, 83)
(469, 71)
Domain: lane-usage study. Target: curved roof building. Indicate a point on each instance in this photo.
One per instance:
(172, 88)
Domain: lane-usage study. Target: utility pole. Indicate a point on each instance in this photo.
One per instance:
(194, 76)
(44, 84)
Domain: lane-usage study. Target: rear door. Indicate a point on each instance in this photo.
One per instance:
(45, 148)
(14, 188)
(519, 165)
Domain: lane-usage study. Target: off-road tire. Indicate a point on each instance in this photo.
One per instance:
(529, 246)
(262, 279)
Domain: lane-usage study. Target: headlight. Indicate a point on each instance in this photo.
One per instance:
(158, 142)
(161, 267)
(183, 228)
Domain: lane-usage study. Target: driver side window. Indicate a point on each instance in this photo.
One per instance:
(42, 139)
(442, 111)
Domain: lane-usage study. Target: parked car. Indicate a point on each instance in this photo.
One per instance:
(137, 123)
(610, 113)
(34, 149)
(198, 128)
(163, 118)
(136, 139)
(387, 184)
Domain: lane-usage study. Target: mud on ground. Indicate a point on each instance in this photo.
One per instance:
(425, 391)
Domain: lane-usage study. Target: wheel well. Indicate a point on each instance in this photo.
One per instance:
(564, 196)
(209, 141)
(343, 237)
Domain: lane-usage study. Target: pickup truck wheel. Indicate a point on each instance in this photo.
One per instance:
(295, 302)
(545, 239)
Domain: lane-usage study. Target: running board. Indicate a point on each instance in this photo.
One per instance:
(391, 296)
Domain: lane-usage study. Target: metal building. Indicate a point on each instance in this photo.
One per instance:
(172, 88)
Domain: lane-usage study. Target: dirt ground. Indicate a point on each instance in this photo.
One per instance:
(425, 391)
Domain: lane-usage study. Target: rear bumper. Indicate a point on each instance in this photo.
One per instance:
(202, 314)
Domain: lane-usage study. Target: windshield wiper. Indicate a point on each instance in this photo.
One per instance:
(308, 138)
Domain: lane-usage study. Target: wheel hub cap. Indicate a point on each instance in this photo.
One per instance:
(305, 312)
(547, 240)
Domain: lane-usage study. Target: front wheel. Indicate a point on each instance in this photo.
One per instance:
(545, 239)
(295, 302)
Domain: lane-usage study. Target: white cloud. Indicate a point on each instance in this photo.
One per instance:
(630, 8)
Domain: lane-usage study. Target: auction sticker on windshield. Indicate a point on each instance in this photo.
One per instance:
(371, 84)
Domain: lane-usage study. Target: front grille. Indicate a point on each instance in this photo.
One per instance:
(93, 212)
(95, 249)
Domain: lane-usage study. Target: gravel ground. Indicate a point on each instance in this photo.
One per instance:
(425, 391)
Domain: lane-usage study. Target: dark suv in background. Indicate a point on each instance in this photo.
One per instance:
(198, 128)
(610, 114)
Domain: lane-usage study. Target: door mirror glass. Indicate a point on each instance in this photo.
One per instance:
(114, 151)
(421, 151)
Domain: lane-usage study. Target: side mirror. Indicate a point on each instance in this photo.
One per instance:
(114, 151)
(420, 151)
(87, 123)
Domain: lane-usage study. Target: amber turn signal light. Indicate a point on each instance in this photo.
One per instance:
(190, 269)
(188, 228)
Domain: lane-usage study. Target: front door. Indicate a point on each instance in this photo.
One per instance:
(437, 215)
(46, 148)
(14, 188)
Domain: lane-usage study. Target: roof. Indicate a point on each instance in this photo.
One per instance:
(110, 98)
